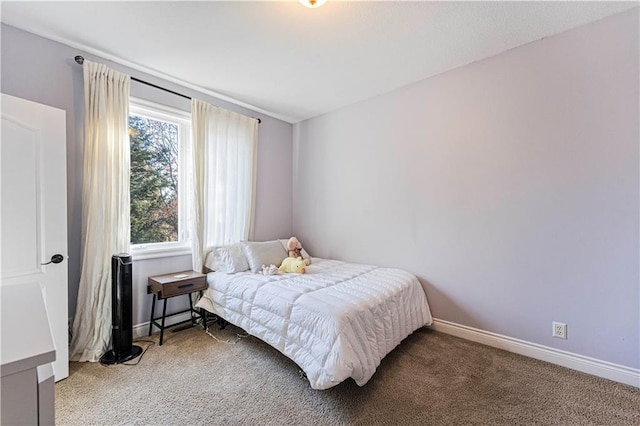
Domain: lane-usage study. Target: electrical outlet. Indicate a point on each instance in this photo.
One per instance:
(559, 330)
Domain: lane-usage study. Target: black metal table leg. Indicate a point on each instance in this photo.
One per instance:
(153, 309)
(203, 316)
(193, 320)
(164, 314)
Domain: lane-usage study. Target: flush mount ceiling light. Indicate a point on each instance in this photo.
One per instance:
(313, 3)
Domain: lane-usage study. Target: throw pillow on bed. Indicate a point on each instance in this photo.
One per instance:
(229, 259)
(264, 253)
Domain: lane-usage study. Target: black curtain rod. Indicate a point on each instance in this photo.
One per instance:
(80, 59)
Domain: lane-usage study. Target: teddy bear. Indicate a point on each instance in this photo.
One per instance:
(295, 250)
(293, 264)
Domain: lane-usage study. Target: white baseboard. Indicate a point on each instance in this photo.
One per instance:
(142, 329)
(607, 370)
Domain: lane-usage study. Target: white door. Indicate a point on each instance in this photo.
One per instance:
(34, 210)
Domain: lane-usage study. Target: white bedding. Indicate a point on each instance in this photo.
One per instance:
(336, 321)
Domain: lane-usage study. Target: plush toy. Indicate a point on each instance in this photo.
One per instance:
(295, 249)
(293, 264)
(269, 270)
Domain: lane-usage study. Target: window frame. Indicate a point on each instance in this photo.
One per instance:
(182, 119)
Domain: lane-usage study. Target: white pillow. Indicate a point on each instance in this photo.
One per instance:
(229, 259)
(304, 253)
(264, 253)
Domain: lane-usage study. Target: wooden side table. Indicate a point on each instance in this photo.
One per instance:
(167, 286)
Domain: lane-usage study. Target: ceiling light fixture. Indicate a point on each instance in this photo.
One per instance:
(313, 3)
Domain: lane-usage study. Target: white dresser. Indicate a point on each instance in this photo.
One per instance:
(27, 353)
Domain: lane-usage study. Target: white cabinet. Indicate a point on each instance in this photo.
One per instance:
(27, 382)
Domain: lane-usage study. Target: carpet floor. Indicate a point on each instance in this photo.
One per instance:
(430, 379)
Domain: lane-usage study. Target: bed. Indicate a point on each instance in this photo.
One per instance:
(338, 320)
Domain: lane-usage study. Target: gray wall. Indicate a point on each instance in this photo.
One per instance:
(508, 186)
(44, 71)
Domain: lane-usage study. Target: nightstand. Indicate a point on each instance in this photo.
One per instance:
(171, 285)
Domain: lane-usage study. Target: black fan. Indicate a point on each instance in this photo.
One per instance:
(121, 312)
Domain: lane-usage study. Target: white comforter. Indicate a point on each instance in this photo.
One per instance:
(336, 321)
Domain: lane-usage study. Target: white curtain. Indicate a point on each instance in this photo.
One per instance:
(224, 171)
(105, 205)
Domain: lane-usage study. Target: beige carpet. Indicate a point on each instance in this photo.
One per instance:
(430, 379)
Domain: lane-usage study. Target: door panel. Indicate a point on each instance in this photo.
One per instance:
(33, 208)
(20, 212)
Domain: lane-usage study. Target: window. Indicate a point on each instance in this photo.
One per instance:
(160, 139)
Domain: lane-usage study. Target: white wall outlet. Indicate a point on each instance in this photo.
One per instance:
(559, 330)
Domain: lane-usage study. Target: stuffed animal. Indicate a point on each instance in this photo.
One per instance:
(293, 264)
(295, 249)
(269, 270)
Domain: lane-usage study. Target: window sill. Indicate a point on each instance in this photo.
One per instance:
(138, 253)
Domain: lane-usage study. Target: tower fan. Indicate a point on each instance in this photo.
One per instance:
(121, 312)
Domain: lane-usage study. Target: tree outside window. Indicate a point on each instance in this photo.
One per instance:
(154, 180)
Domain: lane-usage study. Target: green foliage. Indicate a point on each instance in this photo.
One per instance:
(154, 180)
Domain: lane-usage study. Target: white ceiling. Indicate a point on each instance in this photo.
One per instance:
(292, 62)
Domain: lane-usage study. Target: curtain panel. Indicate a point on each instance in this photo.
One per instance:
(224, 159)
(105, 205)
